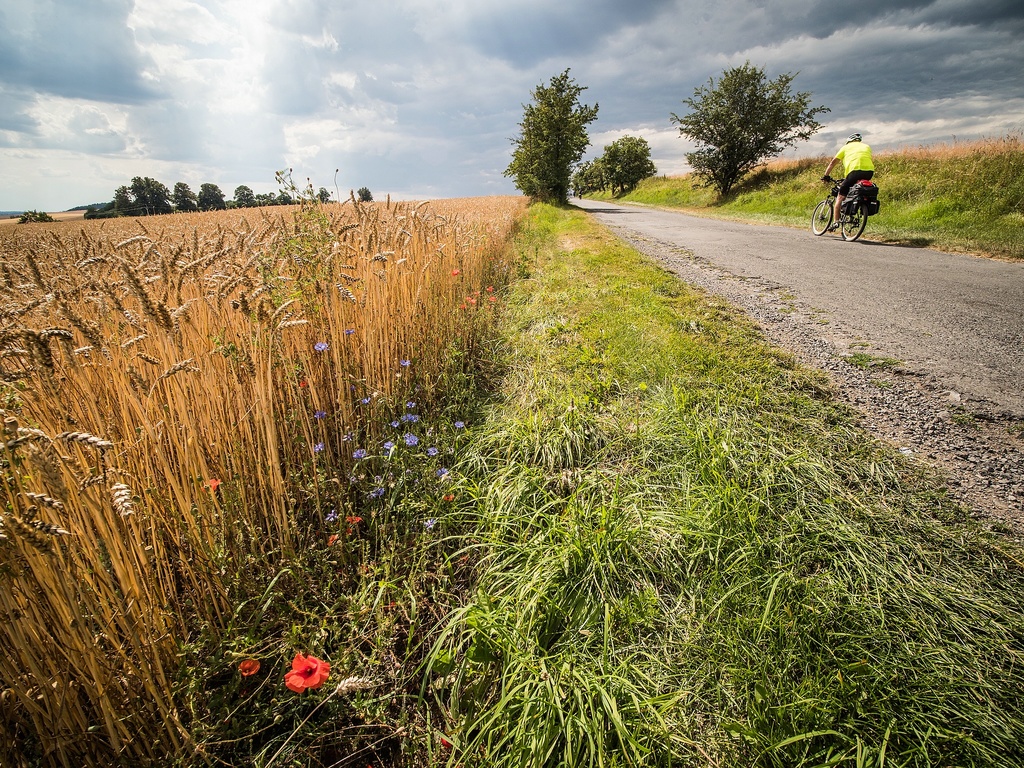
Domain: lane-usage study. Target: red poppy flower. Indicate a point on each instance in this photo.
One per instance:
(249, 667)
(303, 383)
(214, 483)
(306, 672)
(448, 497)
(490, 289)
(332, 540)
(353, 519)
(456, 272)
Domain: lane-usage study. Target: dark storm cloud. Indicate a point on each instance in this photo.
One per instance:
(73, 49)
(420, 97)
(525, 33)
(13, 114)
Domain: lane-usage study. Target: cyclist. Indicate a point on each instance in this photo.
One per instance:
(857, 165)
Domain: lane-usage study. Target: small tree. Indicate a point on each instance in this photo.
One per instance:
(552, 140)
(364, 195)
(742, 121)
(211, 198)
(589, 178)
(31, 217)
(626, 162)
(184, 198)
(244, 197)
(323, 195)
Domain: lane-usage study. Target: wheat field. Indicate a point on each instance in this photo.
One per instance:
(180, 393)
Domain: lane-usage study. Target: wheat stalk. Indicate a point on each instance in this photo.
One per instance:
(84, 438)
(121, 495)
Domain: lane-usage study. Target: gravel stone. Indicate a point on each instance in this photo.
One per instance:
(977, 449)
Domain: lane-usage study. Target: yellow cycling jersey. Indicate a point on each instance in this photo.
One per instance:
(855, 156)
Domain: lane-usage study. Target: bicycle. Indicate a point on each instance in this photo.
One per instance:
(851, 224)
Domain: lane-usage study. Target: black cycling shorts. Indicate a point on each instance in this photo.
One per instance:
(852, 178)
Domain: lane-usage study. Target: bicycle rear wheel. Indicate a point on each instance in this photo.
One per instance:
(821, 218)
(854, 223)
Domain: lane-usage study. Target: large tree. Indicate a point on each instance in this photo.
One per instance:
(245, 197)
(149, 197)
(184, 198)
(123, 204)
(553, 138)
(743, 120)
(626, 162)
(211, 198)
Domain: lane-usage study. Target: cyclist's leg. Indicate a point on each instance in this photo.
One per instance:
(844, 187)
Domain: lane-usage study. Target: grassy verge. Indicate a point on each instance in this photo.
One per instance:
(686, 553)
(964, 197)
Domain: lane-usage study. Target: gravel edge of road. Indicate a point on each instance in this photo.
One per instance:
(977, 451)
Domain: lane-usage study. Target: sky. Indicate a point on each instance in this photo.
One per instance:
(421, 98)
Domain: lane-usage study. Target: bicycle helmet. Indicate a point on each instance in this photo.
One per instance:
(853, 137)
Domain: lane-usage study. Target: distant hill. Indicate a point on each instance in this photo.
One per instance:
(10, 214)
(86, 207)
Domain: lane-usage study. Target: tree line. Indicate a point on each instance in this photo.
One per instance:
(148, 197)
(737, 124)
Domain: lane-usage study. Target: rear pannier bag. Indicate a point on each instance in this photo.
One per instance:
(865, 192)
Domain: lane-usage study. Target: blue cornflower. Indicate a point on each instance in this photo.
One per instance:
(429, 524)
(442, 472)
(460, 425)
(347, 437)
(388, 445)
(319, 414)
(359, 453)
(395, 423)
(432, 451)
(410, 417)
(332, 516)
(376, 493)
(410, 405)
(365, 400)
(405, 363)
(349, 331)
(410, 439)
(318, 447)
(320, 346)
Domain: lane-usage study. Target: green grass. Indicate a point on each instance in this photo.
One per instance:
(687, 553)
(967, 197)
(661, 542)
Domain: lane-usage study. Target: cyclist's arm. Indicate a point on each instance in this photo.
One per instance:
(831, 163)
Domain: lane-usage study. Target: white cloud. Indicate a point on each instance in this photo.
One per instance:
(420, 97)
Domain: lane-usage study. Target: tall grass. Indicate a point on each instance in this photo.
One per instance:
(966, 196)
(689, 554)
(183, 400)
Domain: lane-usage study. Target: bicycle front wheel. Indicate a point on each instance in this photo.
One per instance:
(854, 223)
(821, 218)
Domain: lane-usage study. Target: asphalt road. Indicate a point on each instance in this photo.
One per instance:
(956, 318)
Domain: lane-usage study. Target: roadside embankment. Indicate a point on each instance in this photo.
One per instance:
(966, 197)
